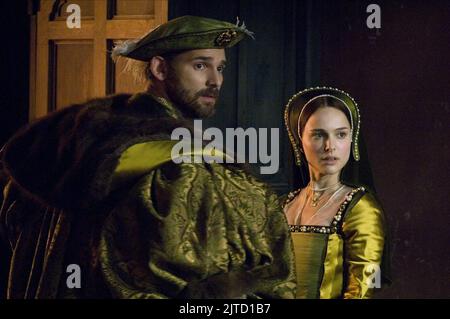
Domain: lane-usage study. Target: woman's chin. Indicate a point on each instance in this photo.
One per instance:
(329, 170)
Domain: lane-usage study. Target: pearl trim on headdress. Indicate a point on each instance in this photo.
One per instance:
(355, 133)
(319, 96)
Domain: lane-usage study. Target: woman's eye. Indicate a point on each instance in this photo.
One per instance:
(317, 135)
(221, 68)
(342, 134)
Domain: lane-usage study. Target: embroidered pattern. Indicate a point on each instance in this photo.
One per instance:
(225, 37)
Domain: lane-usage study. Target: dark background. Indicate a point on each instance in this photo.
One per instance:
(398, 74)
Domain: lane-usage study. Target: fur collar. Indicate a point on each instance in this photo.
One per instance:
(66, 160)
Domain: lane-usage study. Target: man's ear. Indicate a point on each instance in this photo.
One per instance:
(158, 67)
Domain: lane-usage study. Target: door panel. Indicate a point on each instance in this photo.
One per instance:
(72, 82)
(70, 65)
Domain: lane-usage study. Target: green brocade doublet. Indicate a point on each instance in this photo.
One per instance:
(188, 222)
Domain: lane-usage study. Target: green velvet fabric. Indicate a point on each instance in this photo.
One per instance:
(188, 33)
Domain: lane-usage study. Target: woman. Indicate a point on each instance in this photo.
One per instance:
(337, 225)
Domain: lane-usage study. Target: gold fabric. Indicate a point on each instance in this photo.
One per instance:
(364, 235)
(351, 255)
(332, 281)
(141, 158)
(190, 222)
(135, 160)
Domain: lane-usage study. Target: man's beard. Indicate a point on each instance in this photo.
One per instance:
(189, 104)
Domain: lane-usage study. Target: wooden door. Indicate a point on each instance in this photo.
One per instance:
(70, 65)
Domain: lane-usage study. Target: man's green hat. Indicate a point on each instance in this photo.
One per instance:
(184, 33)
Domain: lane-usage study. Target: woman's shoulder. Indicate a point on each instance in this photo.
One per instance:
(362, 197)
(363, 208)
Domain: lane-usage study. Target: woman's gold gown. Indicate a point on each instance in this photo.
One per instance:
(341, 260)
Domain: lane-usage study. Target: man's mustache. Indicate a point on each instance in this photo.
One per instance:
(212, 92)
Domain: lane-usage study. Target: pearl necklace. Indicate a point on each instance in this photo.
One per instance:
(300, 213)
(316, 197)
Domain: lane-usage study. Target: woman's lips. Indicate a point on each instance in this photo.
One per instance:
(329, 160)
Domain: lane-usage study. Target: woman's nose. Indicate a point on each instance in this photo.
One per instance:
(329, 145)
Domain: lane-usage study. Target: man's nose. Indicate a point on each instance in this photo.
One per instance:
(215, 79)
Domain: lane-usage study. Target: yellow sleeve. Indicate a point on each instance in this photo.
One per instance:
(364, 237)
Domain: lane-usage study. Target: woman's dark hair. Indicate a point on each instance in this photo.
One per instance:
(321, 102)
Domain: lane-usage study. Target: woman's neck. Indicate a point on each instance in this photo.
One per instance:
(319, 181)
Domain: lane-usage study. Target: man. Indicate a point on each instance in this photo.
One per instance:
(95, 207)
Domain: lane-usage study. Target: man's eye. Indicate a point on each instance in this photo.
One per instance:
(200, 66)
(221, 68)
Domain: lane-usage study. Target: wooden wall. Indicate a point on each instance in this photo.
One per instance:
(70, 65)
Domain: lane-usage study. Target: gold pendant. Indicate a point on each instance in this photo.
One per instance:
(315, 199)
